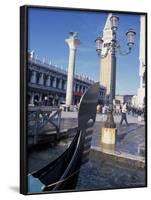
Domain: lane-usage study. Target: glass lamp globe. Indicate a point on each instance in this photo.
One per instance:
(114, 22)
(99, 43)
(130, 37)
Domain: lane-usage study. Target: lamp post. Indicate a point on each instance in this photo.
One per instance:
(113, 47)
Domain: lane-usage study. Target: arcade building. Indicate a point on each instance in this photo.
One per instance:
(47, 84)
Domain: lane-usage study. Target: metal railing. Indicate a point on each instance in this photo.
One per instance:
(42, 119)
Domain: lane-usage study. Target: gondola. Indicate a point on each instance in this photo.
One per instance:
(62, 173)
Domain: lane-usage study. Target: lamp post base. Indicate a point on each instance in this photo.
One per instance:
(108, 135)
(109, 131)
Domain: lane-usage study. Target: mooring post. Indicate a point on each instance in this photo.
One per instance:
(36, 127)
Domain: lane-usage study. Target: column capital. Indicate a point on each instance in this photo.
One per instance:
(73, 40)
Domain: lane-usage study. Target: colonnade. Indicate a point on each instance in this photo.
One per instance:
(47, 80)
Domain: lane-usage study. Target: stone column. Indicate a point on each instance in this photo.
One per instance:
(65, 85)
(78, 88)
(32, 99)
(33, 76)
(41, 79)
(48, 81)
(83, 89)
(60, 84)
(51, 81)
(40, 99)
(72, 42)
(54, 82)
(74, 87)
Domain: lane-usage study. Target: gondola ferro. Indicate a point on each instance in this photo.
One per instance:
(62, 173)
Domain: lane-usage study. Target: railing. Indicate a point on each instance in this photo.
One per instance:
(42, 119)
(48, 66)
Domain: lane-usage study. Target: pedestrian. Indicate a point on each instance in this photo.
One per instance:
(139, 113)
(98, 108)
(135, 112)
(144, 112)
(124, 110)
(120, 108)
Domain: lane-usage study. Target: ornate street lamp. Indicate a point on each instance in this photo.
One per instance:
(114, 42)
(130, 38)
(113, 46)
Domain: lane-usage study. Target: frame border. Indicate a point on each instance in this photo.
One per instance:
(23, 94)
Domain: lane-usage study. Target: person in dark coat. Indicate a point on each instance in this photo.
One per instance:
(124, 111)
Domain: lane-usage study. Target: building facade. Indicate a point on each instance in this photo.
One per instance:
(142, 61)
(124, 98)
(47, 84)
(139, 99)
(135, 101)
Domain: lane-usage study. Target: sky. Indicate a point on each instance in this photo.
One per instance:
(48, 29)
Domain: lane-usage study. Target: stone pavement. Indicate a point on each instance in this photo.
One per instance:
(130, 139)
(118, 166)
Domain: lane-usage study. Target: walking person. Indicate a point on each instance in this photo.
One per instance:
(124, 111)
(98, 108)
(139, 113)
(133, 111)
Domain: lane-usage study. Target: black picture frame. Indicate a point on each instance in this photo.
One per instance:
(24, 87)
